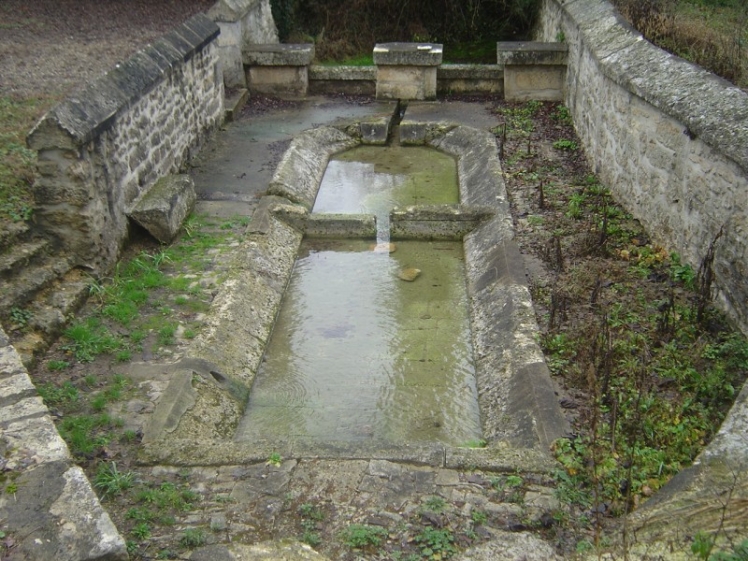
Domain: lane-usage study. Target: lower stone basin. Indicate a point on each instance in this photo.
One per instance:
(519, 414)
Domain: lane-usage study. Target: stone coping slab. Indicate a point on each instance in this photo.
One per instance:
(527, 53)
(408, 54)
(279, 54)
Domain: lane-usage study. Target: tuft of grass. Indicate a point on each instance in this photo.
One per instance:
(110, 481)
(88, 339)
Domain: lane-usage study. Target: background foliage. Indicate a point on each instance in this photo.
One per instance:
(343, 28)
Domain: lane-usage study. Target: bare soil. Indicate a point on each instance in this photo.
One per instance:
(54, 47)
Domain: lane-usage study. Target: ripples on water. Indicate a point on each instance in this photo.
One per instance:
(357, 353)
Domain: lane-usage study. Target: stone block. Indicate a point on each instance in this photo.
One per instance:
(533, 70)
(164, 207)
(407, 70)
(287, 81)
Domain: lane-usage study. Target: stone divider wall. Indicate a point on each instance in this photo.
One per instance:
(103, 148)
(669, 138)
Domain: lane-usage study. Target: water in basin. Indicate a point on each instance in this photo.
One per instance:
(357, 352)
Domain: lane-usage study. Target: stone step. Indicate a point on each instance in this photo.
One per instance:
(27, 282)
(18, 256)
(234, 103)
(50, 311)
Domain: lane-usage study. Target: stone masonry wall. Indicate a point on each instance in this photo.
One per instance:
(667, 137)
(100, 150)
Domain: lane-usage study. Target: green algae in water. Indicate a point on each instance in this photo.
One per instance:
(359, 355)
(375, 179)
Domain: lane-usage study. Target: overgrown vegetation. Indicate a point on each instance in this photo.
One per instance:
(649, 367)
(17, 117)
(711, 33)
(341, 29)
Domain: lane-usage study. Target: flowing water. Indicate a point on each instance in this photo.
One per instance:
(369, 344)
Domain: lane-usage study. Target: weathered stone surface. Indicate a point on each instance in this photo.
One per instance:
(531, 53)
(163, 209)
(53, 514)
(286, 550)
(299, 173)
(470, 79)
(511, 546)
(436, 222)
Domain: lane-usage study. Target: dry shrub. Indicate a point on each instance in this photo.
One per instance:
(722, 52)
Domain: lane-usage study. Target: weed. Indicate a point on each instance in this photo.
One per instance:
(140, 514)
(87, 433)
(192, 538)
(141, 531)
(166, 334)
(20, 317)
(436, 544)
(110, 481)
(168, 496)
(57, 365)
(479, 517)
(359, 536)
(311, 538)
(480, 443)
(566, 144)
(11, 488)
(435, 504)
(274, 459)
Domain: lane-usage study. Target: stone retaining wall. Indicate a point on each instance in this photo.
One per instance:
(52, 512)
(671, 142)
(668, 138)
(100, 150)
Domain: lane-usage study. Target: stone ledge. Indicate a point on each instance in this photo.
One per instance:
(408, 54)
(469, 72)
(279, 54)
(527, 53)
(318, 72)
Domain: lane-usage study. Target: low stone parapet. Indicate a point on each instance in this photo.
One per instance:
(533, 70)
(407, 70)
(101, 149)
(279, 69)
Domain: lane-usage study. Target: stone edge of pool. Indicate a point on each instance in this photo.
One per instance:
(195, 419)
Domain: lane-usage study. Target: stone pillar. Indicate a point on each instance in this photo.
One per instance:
(279, 69)
(242, 23)
(407, 70)
(533, 70)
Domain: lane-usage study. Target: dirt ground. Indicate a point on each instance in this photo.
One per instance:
(53, 47)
